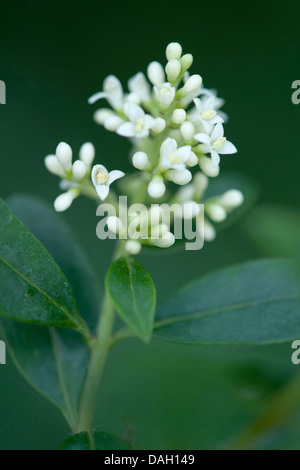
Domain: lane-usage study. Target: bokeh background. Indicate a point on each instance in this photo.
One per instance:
(54, 55)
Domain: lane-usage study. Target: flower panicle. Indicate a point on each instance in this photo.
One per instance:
(174, 125)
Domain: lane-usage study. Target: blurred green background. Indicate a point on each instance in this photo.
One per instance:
(54, 55)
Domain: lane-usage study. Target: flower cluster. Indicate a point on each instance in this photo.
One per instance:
(174, 125)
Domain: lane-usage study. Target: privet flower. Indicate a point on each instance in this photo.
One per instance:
(102, 179)
(175, 127)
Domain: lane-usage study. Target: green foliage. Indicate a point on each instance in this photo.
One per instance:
(254, 303)
(133, 293)
(33, 287)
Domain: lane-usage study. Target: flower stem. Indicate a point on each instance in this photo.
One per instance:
(100, 348)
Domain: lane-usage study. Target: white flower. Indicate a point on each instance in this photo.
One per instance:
(140, 123)
(206, 113)
(216, 144)
(139, 87)
(156, 73)
(173, 157)
(165, 94)
(219, 102)
(112, 91)
(102, 179)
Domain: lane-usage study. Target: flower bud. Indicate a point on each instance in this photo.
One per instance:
(216, 212)
(186, 62)
(180, 177)
(64, 154)
(165, 94)
(159, 126)
(179, 116)
(191, 210)
(232, 199)
(115, 225)
(165, 241)
(64, 201)
(156, 188)
(112, 123)
(208, 168)
(192, 84)
(53, 165)
(87, 154)
(201, 183)
(79, 170)
(140, 160)
(209, 231)
(102, 114)
(156, 73)
(193, 160)
(173, 51)
(188, 130)
(173, 69)
(133, 247)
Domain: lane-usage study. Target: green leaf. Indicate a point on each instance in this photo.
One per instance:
(275, 230)
(33, 288)
(94, 441)
(132, 291)
(50, 228)
(52, 361)
(254, 303)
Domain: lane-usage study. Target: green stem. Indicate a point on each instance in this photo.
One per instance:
(100, 348)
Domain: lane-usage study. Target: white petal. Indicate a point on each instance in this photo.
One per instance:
(127, 130)
(102, 191)
(203, 138)
(97, 169)
(217, 133)
(133, 111)
(227, 148)
(198, 104)
(168, 146)
(215, 158)
(149, 121)
(96, 97)
(139, 85)
(115, 175)
(114, 91)
(184, 153)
